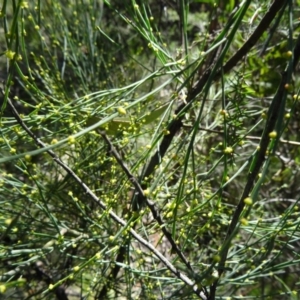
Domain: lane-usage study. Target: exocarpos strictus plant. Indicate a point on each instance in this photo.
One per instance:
(149, 150)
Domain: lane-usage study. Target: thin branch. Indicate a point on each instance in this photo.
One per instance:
(260, 29)
(259, 159)
(176, 124)
(249, 137)
(114, 216)
(150, 204)
(114, 272)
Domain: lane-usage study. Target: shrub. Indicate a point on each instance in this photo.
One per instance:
(149, 150)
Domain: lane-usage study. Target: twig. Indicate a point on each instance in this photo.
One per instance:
(114, 216)
(258, 161)
(260, 29)
(176, 124)
(249, 137)
(114, 272)
(150, 204)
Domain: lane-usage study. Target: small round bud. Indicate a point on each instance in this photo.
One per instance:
(244, 221)
(146, 192)
(248, 201)
(216, 258)
(273, 134)
(71, 140)
(121, 110)
(228, 150)
(76, 268)
(287, 54)
(288, 87)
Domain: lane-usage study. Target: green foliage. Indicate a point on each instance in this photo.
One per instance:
(141, 157)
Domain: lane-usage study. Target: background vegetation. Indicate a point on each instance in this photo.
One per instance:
(149, 149)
